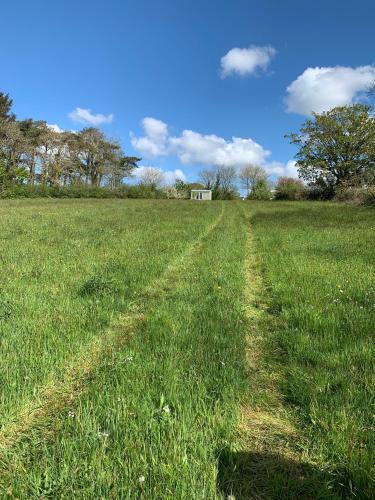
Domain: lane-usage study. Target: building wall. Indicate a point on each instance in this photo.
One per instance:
(204, 195)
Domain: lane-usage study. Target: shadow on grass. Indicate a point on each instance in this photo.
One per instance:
(258, 475)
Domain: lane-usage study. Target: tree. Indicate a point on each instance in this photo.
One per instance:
(227, 176)
(33, 132)
(151, 177)
(121, 168)
(208, 178)
(5, 106)
(35, 152)
(260, 191)
(288, 188)
(96, 153)
(249, 175)
(336, 147)
(13, 146)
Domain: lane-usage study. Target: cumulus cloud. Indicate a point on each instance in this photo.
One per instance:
(278, 169)
(170, 176)
(246, 61)
(193, 148)
(320, 89)
(86, 117)
(164, 177)
(154, 142)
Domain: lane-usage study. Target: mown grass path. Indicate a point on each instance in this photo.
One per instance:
(266, 458)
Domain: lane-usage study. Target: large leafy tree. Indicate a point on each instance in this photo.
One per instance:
(337, 147)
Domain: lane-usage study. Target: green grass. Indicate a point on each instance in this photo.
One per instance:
(318, 262)
(124, 328)
(68, 269)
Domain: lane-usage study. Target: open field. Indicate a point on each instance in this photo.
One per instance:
(137, 337)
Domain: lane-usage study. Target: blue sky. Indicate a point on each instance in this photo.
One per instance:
(173, 62)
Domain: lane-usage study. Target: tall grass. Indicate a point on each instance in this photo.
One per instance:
(160, 410)
(68, 269)
(318, 261)
(157, 414)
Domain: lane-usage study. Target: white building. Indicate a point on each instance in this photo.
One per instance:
(201, 194)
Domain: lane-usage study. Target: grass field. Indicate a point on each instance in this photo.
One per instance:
(149, 349)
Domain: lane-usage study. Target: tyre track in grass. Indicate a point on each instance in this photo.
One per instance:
(268, 460)
(60, 392)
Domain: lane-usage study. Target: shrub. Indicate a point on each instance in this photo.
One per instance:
(43, 191)
(364, 195)
(260, 191)
(78, 191)
(288, 188)
(140, 191)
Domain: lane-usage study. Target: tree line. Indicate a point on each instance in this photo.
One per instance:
(33, 152)
(335, 158)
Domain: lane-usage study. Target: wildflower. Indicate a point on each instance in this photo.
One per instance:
(166, 409)
(103, 434)
(141, 479)
(71, 414)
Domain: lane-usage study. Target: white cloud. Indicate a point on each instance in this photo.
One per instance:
(154, 142)
(167, 177)
(85, 116)
(320, 89)
(278, 169)
(55, 128)
(195, 148)
(170, 176)
(246, 61)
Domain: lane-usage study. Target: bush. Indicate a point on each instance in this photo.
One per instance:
(364, 195)
(43, 191)
(260, 191)
(78, 191)
(288, 188)
(139, 191)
